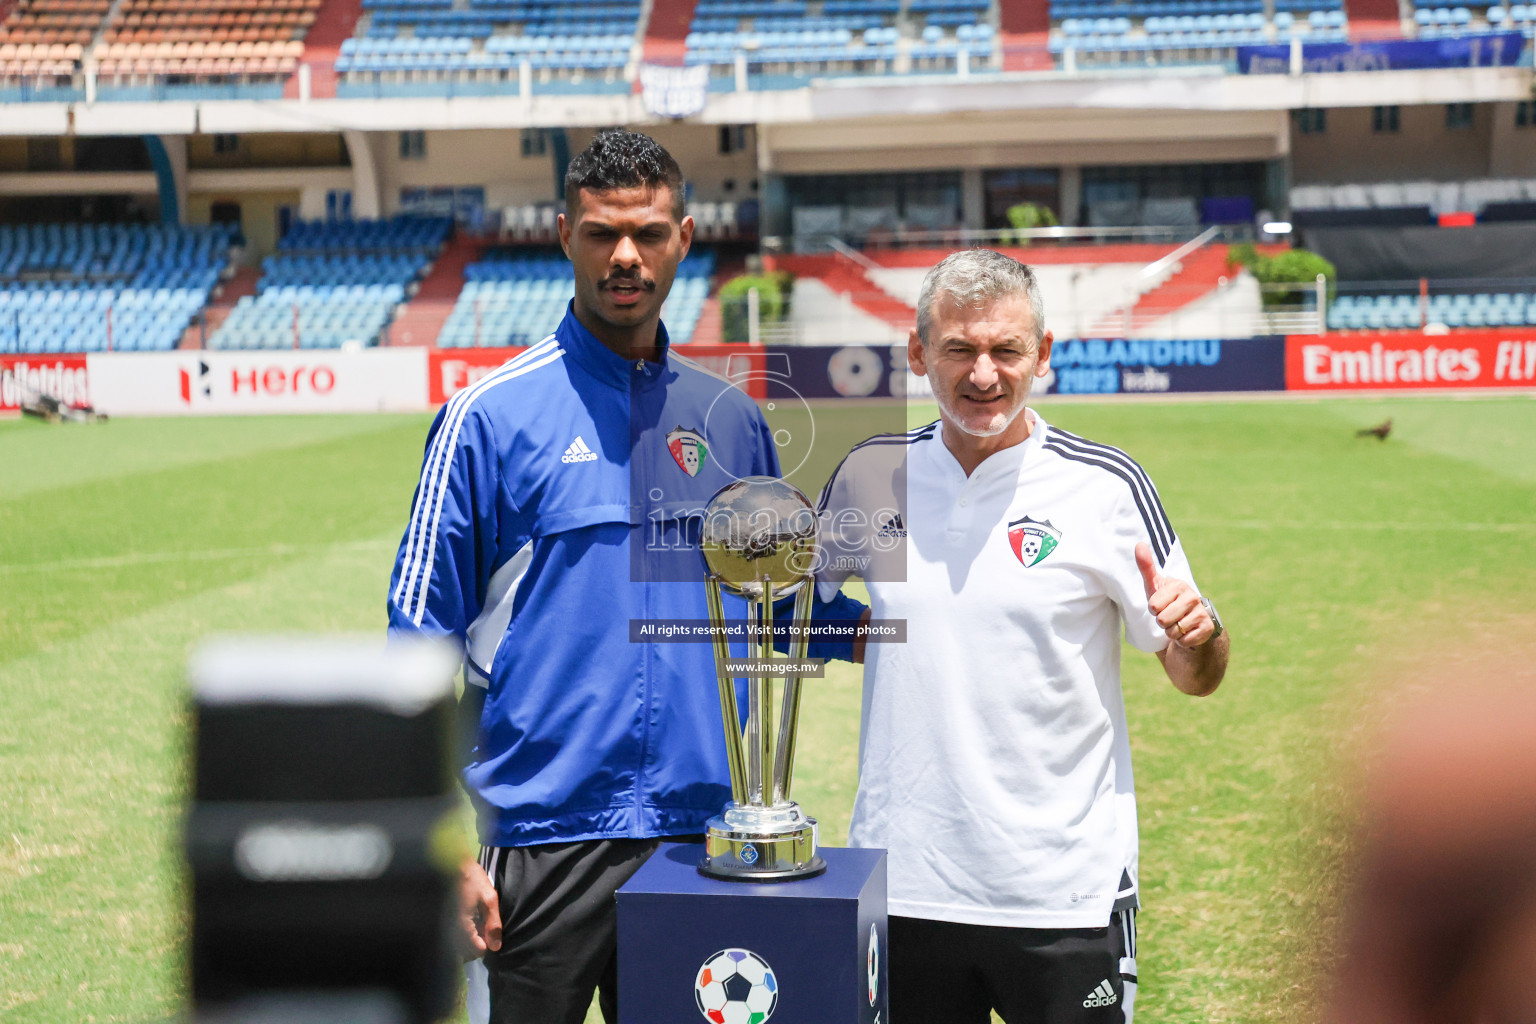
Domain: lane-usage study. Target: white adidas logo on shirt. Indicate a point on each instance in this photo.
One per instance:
(579, 452)
(1101, 996)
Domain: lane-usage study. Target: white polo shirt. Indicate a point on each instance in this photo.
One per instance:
(993, 758)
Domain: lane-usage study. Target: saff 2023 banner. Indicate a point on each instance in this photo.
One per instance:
(1410, 361)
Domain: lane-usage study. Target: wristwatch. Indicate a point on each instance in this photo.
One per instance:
(1215, 619)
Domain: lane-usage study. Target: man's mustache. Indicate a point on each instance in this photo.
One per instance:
(628, 278)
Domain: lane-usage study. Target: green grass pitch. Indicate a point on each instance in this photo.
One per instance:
(1330, 556)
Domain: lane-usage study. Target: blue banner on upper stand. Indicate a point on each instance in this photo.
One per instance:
(1089, 366)
(1485, 50)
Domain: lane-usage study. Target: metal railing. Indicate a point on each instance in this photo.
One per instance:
(963, 238)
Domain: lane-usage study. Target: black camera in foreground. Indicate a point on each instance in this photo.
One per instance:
(324, 837)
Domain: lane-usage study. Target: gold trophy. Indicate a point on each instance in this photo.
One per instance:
(759, 543)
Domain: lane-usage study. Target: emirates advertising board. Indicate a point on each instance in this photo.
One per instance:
(1410, 361)
(258, 382)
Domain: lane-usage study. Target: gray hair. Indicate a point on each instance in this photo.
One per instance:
(976, 278)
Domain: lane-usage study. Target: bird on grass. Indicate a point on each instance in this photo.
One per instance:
(1379, 431)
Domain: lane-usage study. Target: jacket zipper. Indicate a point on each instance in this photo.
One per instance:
(645, 664)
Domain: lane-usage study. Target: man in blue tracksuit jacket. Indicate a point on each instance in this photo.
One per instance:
(560, 498)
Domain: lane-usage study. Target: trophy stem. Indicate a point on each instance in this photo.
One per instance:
(789, 716)
(729, 710)
(760, 701)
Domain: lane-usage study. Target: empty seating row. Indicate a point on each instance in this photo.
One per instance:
(123, 321)
(920, 6)
(333, 283)
(90, 287)
(1180, 8)
(197, 66)
(456, 62)
(750, 8)
(35, 68)
(890, 7)
(1458, 16)
(568, 43)
(268, 23)
(434, 38)
(420, 233)
(116, 251)
(279, 321)
(185, 50)
(1405, 310)
(1515, 14)
(339, 271)
(967, 33)
(851, 22)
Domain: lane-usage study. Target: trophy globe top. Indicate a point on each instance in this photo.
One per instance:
(760, 526)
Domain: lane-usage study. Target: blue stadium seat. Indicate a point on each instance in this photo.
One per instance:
(129, 287)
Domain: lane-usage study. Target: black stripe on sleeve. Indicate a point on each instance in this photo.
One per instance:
(1159, 546)
(910, 437)
(1087, 447)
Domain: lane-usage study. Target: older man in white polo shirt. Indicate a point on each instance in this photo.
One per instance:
(994, 763)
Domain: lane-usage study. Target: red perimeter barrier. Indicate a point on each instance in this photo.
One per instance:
(1410, 361)
(450, 370)
(62, 377)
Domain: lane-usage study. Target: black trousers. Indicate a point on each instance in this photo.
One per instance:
(946, 973)
(559, 927)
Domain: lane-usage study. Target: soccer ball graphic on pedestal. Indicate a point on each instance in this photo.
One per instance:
(736, 986)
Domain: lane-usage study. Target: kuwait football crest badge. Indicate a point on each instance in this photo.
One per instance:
(688, 450)
(1032, 541)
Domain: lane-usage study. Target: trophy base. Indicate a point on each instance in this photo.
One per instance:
(782, 851)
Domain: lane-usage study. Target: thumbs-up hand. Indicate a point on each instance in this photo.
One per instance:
(1174, 603)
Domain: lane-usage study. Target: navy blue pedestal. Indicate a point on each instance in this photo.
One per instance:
(807, 952)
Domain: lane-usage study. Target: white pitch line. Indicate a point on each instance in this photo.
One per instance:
(1267, 524)
(210, 555)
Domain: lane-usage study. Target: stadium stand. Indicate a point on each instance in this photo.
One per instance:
(53, 23)
(1405, 310)
(1186, 31)
(333, 283)
(515, 297)
(203, 38)
(404, 42)
(788, 37)
(95, 287)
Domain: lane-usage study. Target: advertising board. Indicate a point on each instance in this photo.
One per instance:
(453, 369)
(258, 382)
(1410, 361)
(1095, 366)
(59, 376)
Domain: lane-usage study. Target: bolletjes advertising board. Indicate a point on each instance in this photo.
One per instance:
(57, 376)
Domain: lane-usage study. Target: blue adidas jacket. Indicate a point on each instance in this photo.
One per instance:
(561, 497)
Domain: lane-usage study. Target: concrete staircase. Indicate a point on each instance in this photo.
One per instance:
(1026, 29)
(230, 292)
(1192, 278)
(710, 330)
(667, 30)
(423, 317)
(1198, 273)
(843, 275)
(334, 22)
